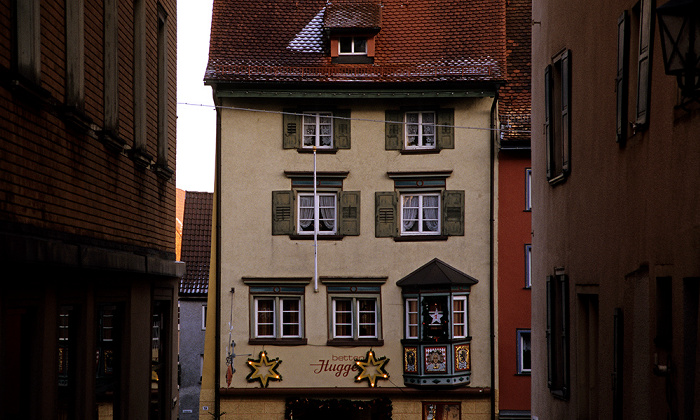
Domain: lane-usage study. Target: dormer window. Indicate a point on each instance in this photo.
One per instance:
(352, 45)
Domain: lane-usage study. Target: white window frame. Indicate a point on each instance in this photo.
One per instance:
(528, 266)
(355, 317)
(317, 211)
(352, 45)
(421, 135)
(204, 317)
(316, 124)
(408, 318)
(528, 189)
(465, 312)
(520, 352)
(420, 217)
(277, 317)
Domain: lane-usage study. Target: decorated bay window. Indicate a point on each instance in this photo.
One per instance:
(436, 326)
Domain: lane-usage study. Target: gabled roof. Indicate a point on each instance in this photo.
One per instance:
(419, 40)
(196, 243)
(437, 273)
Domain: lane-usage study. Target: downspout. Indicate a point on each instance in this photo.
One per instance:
(217, 226)
(494, 142)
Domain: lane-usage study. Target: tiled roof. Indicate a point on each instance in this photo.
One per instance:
(419, 40)
(196, 243)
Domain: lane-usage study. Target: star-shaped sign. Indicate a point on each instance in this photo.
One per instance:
(264, 369)
(436, 316)
(371, 369)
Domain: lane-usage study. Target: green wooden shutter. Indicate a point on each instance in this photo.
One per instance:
(566, 112)
(646, 23)
(446, 131)
(283, 212)
(393, 130)
(349, 213)
(453, 212)
(341, 129)
(621, 82)
(385, 214)
(548, 129)
(549, 335)
(291, 129)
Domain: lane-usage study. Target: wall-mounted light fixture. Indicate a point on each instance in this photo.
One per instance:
(679, 28)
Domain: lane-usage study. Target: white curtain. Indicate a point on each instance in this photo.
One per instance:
(327, 211)
(410, 212)
(306, 211)
(431, 213)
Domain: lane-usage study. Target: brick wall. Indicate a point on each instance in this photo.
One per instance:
(58, 174)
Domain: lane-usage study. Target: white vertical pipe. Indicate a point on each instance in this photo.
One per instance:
(316, 212)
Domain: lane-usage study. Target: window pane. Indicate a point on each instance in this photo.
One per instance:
(343, 318)
(428, 118)
(412, 318)
(368, 317)
(346, 45)
(525, 351)
(265, 317)
(360, 45)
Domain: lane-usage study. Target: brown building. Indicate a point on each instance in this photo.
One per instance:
(616, 276)
(87, 205)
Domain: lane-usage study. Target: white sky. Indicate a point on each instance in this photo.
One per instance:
(196, 125)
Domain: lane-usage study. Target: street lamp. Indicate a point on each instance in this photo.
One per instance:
(679, 27)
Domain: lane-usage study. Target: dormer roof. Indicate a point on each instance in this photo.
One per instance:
(260, 41)
(437, 273)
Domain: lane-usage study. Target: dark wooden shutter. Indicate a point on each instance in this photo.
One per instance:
(341, 129)
(621, 81)
(291, 129)
(393, 130)
(446, 131)
(566, 112)
(563, 356)
(550, 336)
(548, 129)
(349, 213)
(646, 24)
(453, 212)
(385, 214)
(283, 212)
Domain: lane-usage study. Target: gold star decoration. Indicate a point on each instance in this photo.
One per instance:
(371, 369)
(264, 369)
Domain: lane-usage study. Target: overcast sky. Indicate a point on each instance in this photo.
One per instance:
(196, 125)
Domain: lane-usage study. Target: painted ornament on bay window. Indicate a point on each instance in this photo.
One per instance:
(410, 357)
(372, 369)
(435, 359)
(462, 357)
(264, 369)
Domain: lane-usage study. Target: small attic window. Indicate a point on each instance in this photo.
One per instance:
(352, 45)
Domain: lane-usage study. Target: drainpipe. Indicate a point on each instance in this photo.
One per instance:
(494, 142)
(217, 226)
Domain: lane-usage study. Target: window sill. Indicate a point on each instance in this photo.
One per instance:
(348, 342)
(298, 237)
(278, 341)
(523, 374)
(527, 211)
(419, 151)
(559, 179)
(420, 238)
(330, 151)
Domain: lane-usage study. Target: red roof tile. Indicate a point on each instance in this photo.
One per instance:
(196, 243)
(419, 40)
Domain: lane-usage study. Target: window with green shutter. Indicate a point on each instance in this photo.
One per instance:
(420, 208)
(331, 213)
(324, 130)
(419, 130)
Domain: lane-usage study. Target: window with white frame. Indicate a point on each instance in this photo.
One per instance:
(420, 130)
(354, 318)
(204, 317)
(277, 317)
(459, 317)
(524, 361)
(528, 189)
(317, 215)
(318, 130)
(412, 318)
(420, 214)
(352, 45)
(528, 266)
